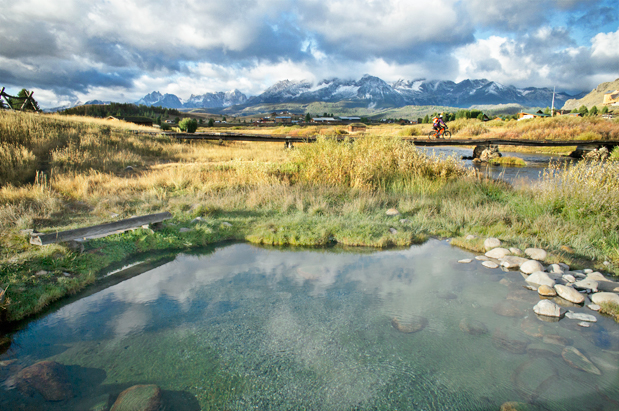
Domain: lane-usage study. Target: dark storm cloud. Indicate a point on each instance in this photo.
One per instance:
(75, 46)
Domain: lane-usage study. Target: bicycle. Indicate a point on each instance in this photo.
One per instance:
(442, 133)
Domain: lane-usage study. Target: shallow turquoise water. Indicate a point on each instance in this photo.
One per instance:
(242, 327)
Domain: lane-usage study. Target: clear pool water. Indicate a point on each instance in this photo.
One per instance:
(240, 327)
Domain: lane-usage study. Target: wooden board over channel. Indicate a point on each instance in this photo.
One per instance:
(100, 230)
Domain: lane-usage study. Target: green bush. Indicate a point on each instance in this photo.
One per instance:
(188, 125)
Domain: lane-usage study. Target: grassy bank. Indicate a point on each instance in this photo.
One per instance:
(317, 194)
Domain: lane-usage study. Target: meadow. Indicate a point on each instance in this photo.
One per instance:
(64, 172)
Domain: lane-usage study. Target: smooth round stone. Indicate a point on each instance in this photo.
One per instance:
(465, 261)
(481, 258)
(536, 253)
(599, 298)
(410, 325)
(497, 253)
(393, 230)
(584, 324)
(593, 307)
(568, 278)
(564, 303)
(581, 317)
(569, 294)
(473, 327)
(547, 308)
(512, 261)
(587, 271)
(546, 291)
(470, 237)
(555, 268)
(540, 278)
(577, 360)
(392, 212)
(596, 276)
(515, 251)
(490, 243)
(490, 264)
(531, 266)
(586, 284)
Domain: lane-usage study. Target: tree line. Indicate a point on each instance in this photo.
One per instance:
(122, 110)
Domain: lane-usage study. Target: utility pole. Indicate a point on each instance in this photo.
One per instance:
(552, 110)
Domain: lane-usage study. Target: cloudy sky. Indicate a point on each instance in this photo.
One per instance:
(121, 50)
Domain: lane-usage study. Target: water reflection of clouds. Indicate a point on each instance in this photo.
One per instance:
(400, 278)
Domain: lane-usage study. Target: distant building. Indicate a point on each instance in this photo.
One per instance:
(357, 128)
(283, 119)
(524, 115)
(326, 120)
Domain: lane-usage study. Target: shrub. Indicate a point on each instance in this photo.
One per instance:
(410, 131)
(368, 163)
(188, 125)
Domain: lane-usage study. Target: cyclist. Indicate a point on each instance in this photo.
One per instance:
(439, 125)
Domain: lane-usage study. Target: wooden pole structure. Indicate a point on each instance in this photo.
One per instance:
(552, 110)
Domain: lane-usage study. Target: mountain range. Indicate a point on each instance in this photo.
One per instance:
(372, 92)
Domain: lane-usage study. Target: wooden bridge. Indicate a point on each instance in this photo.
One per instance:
(418, 141)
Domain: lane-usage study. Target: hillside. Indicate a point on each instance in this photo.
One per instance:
(594, 98)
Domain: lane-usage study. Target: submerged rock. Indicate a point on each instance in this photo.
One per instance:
(473, 327)
(410, 325)
(507, 309)
(139, 398)
(577, 360)
(490, 264)
(465, 260)
(513, 406)
(48, 378)
(505, 342)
